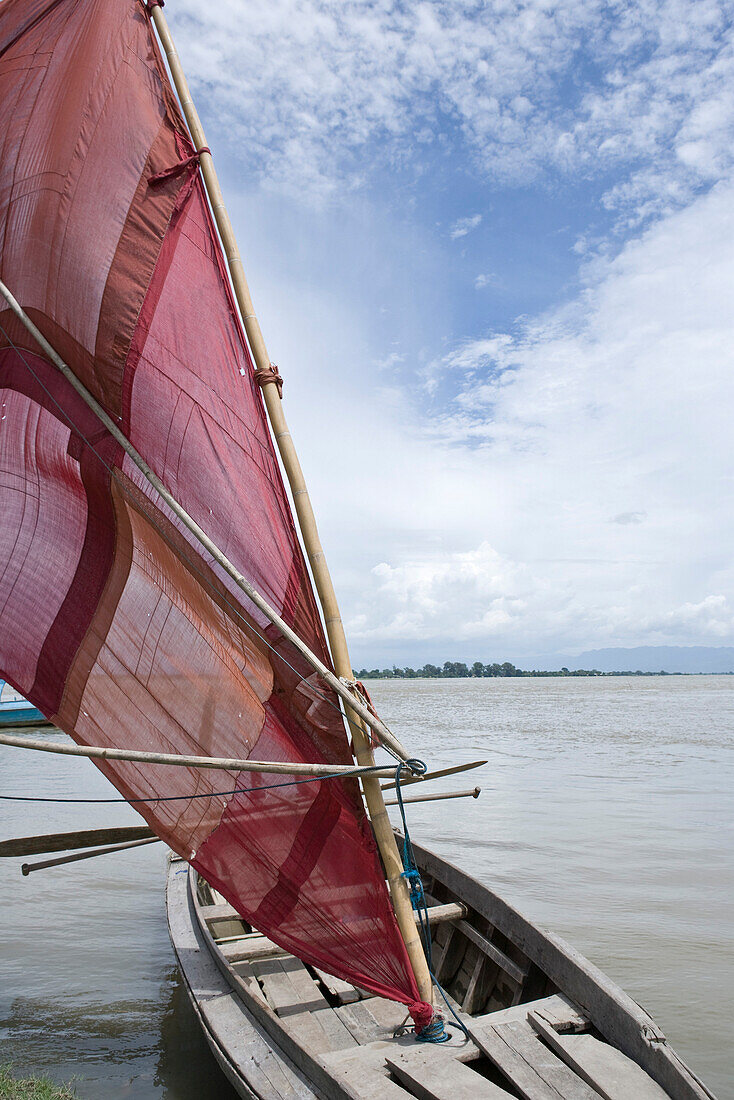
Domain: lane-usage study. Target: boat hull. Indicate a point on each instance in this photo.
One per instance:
(497, 966)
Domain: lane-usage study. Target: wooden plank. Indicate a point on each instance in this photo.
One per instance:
(288, 991)
(63, 842)
(293, 993)
(438, 914)
(556, 1010)
(251, 950)
(533, 1069)
(608, 1070)
(389, 1014)
(364, 1069)
(512, 969)
(223, 911)
(434, 1075)
(360, 1023)
(344, 992)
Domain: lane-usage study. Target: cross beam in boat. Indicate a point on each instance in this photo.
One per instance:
(324, 771)
(349, 696)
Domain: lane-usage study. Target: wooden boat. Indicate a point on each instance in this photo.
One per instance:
(17, 711)
(545, 1023)
(181, 632)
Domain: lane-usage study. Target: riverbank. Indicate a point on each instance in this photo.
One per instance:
(457, 670)
(31, 1088)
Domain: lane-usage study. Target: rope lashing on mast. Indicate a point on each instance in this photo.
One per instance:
(266, 375)
(150, 4)
(178, 168)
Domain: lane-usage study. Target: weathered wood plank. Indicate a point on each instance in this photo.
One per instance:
(344, 992)
(221, 911)
(533, 1069)
(433, 1075)
(288, 986)
(64, 842)
(557, 1010)
(438, 914)
(250, 950)
(606, 1069)
(238, 1043)
(360, 1022)
(517, 973)
(365, 1069)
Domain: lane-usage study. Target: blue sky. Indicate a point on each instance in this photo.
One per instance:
(492, 250)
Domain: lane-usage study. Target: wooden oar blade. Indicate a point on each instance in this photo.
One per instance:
(63, 842)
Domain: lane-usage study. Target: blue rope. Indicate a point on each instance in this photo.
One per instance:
(435, 1032)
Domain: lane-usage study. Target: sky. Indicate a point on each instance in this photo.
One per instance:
(491, 247)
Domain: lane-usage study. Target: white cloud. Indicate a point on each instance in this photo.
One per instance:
(576, 491)
(462, 226)
(482, 281)
(308, 89)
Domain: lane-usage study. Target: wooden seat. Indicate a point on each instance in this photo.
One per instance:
(606, 1069)
(431, 1074)
(526, 1062)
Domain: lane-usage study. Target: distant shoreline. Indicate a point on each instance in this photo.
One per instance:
(457, 670)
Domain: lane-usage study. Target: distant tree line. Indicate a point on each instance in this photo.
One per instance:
(452, 670)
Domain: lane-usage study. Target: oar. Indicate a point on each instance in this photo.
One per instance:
(26, 868)
(473, 793)
(63, 842)
(436, 774)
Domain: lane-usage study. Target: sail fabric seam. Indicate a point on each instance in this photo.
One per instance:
(115, 474)
(70, 190)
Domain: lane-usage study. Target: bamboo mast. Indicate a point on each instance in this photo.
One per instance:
(334, 627)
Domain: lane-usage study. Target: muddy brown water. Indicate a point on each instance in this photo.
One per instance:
(606, 815)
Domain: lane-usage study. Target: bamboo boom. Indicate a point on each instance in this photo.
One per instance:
(473, 793)
(224, 763)
(434, 775)
(26, 868)
(200, 535)
(63, 842)
(307, 521)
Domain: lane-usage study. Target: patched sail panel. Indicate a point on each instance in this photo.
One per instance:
(111, 621)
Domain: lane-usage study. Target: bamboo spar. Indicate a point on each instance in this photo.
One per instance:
(307, 521)
(223, 763)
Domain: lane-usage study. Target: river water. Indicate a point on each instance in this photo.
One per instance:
(606, 815)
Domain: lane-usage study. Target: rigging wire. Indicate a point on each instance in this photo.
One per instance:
(179, 797)
(192, 565)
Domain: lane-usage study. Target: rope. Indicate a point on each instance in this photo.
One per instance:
(270, 374)
(433, 1032)
(179, 797)
(178, 168)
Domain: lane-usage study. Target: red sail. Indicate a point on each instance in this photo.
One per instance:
(111, 621)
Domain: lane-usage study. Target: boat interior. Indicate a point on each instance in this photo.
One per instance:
(526, 1037)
